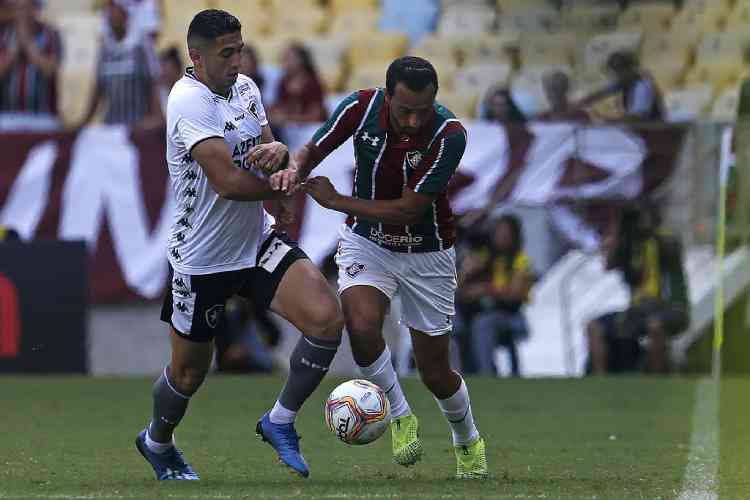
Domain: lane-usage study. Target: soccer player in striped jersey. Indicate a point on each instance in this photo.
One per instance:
(399, 238)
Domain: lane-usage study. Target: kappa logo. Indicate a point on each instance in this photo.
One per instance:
(413, 158)
(372, 140)
(213, 315)
(253, 109)
(355, 269)
(229, 126)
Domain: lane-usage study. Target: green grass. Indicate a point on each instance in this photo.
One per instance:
(624, 438)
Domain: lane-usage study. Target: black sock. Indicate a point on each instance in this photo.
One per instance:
(308, 364)
(169, 408)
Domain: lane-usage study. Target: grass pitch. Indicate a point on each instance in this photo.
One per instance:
(626, 438)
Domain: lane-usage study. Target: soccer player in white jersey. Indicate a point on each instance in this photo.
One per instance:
(223, 243)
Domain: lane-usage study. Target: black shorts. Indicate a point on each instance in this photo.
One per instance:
(194, 304)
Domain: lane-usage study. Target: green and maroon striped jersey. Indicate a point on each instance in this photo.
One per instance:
(386, 164)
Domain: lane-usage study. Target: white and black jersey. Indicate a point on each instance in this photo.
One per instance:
(211, 234)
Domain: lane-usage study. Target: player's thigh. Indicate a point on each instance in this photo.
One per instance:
(305, 299)
(364, 308)
(428, 292)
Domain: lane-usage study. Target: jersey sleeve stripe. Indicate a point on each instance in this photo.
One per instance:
(434, 165)
(440, 129)
(367, 113)
(336, 123)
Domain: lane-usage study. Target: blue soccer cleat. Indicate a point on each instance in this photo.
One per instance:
(168, 466)
(284, 439)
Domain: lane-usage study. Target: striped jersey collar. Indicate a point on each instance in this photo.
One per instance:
(190, 73)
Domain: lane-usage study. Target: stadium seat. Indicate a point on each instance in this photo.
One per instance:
(530, 20)
(650, 17)
(366, 76)
(723, 46)
(509, 5)
(183, 8)
(415, 18)
(668, 46)
(271, 49)
(488, 48)
(459, 20)
(697, 21)
(598, 49)
(290, 22)
(719, 73)
(476, 78)
(368, 47)
(667, 73)
(725, 106)
(558, 48)
(706, 4)
(738, 20)
(590, 19)
(462, 104)
(339, 7)
(355, 21)
(445, 47)
(689, 103)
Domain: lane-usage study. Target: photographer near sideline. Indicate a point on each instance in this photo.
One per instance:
(651, 263)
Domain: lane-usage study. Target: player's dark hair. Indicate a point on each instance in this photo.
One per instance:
(210, 24)
(514, 224)
(414, 72)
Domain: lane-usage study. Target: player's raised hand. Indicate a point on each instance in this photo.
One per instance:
(285, 180)
(321, 189)
(269, 157)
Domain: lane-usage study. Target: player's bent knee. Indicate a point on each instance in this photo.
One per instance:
(325, 321)
(187, 379)
(361, 324)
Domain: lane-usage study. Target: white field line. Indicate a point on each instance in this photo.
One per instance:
(214, 496)
(701, 481)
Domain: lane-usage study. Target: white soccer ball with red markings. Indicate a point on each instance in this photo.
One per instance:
(357, 412)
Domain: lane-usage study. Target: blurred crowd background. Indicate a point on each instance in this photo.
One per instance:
(66, 64)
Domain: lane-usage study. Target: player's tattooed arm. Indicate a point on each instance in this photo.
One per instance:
(409, 209)
(227, 180)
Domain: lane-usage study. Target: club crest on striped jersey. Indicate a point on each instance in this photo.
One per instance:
(413, 158)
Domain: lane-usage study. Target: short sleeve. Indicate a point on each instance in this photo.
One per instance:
(340, 125)
(196, 119)
(261, 110)
(437, 167)
(642, 99)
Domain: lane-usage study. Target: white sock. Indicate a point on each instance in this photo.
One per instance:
(382, 374)
(156, 446)
(280, 415)
(457, 409)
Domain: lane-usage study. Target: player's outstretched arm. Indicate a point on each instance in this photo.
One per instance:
(227, 180)
(409, 209)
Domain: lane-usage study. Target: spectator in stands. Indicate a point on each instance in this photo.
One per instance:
(556, 88)
(127, 75)
(651, 264)
(8, 234)
(250, 66)
(641, 97)
(30, 54)
(498, 106)
(171, 71)
(496, 279)
(300, 97)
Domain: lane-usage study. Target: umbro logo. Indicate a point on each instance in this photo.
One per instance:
(229, 126)
(373, 141)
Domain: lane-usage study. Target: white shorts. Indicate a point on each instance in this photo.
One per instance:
(425, 281)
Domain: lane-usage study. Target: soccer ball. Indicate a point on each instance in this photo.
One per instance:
(357, 412)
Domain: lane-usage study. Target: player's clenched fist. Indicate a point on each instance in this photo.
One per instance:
(286, 180)
(269, 157)
(322, 190)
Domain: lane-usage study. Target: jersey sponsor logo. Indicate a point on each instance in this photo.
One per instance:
(372, 140)
(413, 158)
(229, 126)
(253, 109)
(243, 88)
(394, 240)
(213, 315)
(239, 154)
(354, 269)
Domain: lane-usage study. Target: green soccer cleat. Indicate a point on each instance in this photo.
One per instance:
(471, 460)
(407, 447)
